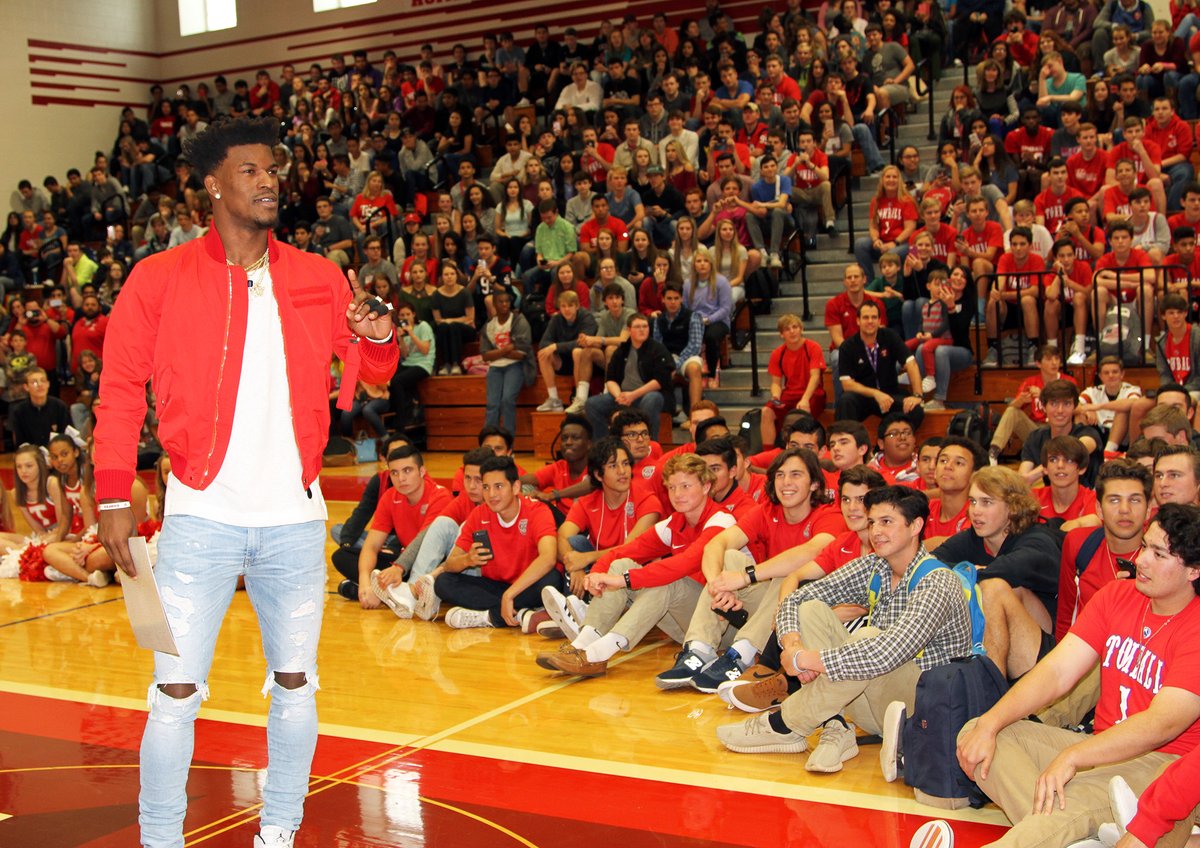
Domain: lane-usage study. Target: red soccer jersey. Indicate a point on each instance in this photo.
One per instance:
(1075, 589)
(769, 532)
(738, 503)
(845, 548)
(1050, 206)
(806, 177)
(456, 485)
(608, 527)
(903, 475)
(943, 240)
(672, 548)
(1087, 175)
(513, 547)
(756, 487)
(1021, 145)
(935, 526)
(1084, 503)
(1189, 271)
(891, 214)
(459, 508)
(1124, 151)
(1140, 654)
(1081, 273)
(1116, 202)
(1175, 139)
(1024, 279)
(839, 310)
(1138, 258)
(991, 238)
(590, 229)
(1180, 219)
(395, 514)
(1036, 411)
(765, 458)
(794, 367)
(1179, 357)
(557, 475)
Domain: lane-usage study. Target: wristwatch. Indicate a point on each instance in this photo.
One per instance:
(628, 584)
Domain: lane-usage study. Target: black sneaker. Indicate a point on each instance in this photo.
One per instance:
(687, 665)
(725, 668)
(831, 230)
(348, 589)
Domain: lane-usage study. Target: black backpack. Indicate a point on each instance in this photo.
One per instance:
(970, 425)
(948, 696)
(750, 429)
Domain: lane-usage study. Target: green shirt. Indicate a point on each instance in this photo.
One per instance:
(557, 240)
(1073, 84)
(85, 269)
(890, 304)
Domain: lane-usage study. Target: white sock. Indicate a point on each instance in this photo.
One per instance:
(700, 649)
(746, 650)
(581, 391)
(605, 648)
(587, 635)
(552, 391)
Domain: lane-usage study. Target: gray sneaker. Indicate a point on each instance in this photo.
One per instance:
(838, 744)
(756, 736)
(428, 603)
(550, 404)
(992, 360)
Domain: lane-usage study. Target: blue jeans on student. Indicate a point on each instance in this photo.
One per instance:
(199, 563)
(866, 255)
(503, 386)
(1152, 86)
(946, 359)
(440, 536)
(866, 142)
(1181, 173)
(600, 408)
(910, 316)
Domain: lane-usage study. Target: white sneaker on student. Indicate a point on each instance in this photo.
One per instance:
(1078, 351)
(838, 744)
(1124, 802)
(461, 618)
(928, 384)
(577, 406)
(99, 579)
(550, 404)
(556, 605)
(428, 603)
(271, 836)
(399, 599)
(933, 834)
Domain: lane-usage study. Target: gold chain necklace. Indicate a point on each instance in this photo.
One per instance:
(257, 287)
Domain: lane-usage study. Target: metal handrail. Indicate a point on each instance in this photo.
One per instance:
(927, 63)
(894, 123)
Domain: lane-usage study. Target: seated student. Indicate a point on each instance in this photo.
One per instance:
(653, 580)
(764, 685)
(897, 456)
(511, 540)
(797, 369)
(681, 331)
(1050, 205)
(353, 531)
(637, 375)
(404, 509)
(889, 286)
(1027, 410)
(847, 678)
(1177, 349)
(927, 453)
(1167, 423)
(957, 461)
(496, 439)
(1144, 155)
(1065, 459)
(849, 445)
(559, 351)
(1150, 230)
(506, 345)
(1107, 406)
(1176, 476)
(558, 483)
(1061, 399)
(753, 483)
(1126, 285)
(619, 508)
(611, 329)
(797, 512)
(1053, 783)
(869, 363)
(728, 468)
(980, 242)
(1178, 280)
(1017, 555)
(633, 428)
(400, 586)
(34, 420)
(1024, 215)
(1017, 291)
(39, 495)
(800, 430)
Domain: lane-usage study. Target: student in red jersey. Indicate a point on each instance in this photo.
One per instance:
(1146, 158)
(1176, 476)
(1088, 239)
(560, 482)
(1029, 146)
(1190, 216)
(849, 445)
(1086, 169)
(1126, 285)
(617, 510)
(1173, 135)
(655, 580)
(496, 439)
(1177, 349)
(1050, 204)
(979, 245)
(1065, 459)
(944, 235)
(891, 221)
(1016, 285)
(726, 467)
(1182, 265)
(796, 513)
(1123, 489)
(927, 453)
(1053, 784)
(704, 422)
(841, 316)
(957, 460)
(796, 367)
(897, 456)
(1116, 196)
(811, 186)
(353, 532)
(511, 539)
(800, 430)
(764, 685)
(39, 495)
(405, 509)
(67, 464)
(633, 428)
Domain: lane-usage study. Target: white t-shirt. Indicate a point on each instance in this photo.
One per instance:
(1097, 395)
(259, 484)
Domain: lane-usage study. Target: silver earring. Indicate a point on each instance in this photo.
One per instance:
(217, 196)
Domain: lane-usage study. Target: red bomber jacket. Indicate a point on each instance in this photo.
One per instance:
(181, 322)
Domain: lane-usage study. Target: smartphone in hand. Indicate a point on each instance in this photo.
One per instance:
(480, 537)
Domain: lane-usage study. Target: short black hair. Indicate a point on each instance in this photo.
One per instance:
(707, 424)
(208, 149)
(578, 420)
(1181, 523)
(503, 464)
(811, 464)
(979, 456)
(406, 452)
(381, 444)
(911, 503)
(495, 430)
(627, 418)
(600, 454)
(721, 446)
(860, 475)
(477, 456)
(808, 425)
(1124, 469)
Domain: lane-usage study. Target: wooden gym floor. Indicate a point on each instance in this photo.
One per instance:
(429, 737)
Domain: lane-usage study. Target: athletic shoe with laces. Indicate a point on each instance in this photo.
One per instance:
(428, 603)
(1029, 360)
(891, 755)
(687, 665)
(399, 599)
(348, 589)
(550, 404)
(1078, 352)
(531, 618)
(578, 608)
(571, 660)
(756, 736)
(461, 618)
(928, 384)
(992, 360)
(933, 834)
(270, 836)
(560, 613)
(577, 406)
(933, 404)
(838, 744)
(759, 688)
(549, 629)
(728, 667)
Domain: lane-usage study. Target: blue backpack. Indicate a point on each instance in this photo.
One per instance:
(965, 572)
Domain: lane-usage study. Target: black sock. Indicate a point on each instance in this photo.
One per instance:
(776, 721)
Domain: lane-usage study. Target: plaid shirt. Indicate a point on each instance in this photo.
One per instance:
(930, 625)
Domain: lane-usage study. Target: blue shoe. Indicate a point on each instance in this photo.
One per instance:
(687, 665)
(727, 667)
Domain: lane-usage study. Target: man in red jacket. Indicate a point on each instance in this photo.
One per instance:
(236, 331)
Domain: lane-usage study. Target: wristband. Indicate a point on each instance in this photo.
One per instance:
(795, 665)
(750, 573)
(391, 335)
(628, 584)
(105, 507)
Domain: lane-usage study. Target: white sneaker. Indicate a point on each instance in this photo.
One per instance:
(550, 404)
(838, 744)
(556, 605)
(1124, 803)
(271, 836)
(428, 603)
(935, 404)
(891, 754)
(1078, 352)
(99, 579)
(933, 834)
(399, 599)
(577, 406)
(578, 607)
(1108, 833)
(774, 261)
(928, 384)
(456, 370)
(461, 618)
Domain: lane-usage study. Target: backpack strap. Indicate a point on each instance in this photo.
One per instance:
(1088, 550)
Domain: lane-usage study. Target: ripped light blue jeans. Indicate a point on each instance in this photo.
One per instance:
(199, 562)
